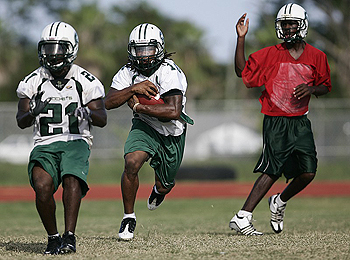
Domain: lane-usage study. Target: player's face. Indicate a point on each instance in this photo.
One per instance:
(146, 53)
(289, 27)
(55, 52)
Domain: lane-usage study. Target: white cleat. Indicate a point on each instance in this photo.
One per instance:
(277, 214)
(244, 225)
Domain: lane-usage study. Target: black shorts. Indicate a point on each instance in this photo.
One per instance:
(288, 147)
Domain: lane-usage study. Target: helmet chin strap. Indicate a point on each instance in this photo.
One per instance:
(293, 40)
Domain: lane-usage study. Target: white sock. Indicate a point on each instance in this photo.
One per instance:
(244, 213)
(132, 215)
(279, 201)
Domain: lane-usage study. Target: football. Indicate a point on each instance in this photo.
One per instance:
(144, 100)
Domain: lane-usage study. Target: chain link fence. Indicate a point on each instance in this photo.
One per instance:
(223, 128)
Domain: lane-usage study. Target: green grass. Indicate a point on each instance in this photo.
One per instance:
(315, 228)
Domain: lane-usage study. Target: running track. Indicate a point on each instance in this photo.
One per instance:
(182, 190)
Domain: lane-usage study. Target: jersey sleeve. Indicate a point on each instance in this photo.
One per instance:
(322, 76)
(172, 78)
(92, 86)
(94, 92)
(27, 86)
(121, 79)
(253, 74)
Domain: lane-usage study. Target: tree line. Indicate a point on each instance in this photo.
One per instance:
(104, 36)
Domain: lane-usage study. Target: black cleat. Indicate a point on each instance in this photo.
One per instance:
(53, 245)
(68, 243)
(154, 200)
(127, 228)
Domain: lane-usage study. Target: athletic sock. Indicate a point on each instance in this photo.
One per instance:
(279, 201)
(132, 215)
(244, 213)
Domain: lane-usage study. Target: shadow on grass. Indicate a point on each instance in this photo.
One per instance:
(32, 247)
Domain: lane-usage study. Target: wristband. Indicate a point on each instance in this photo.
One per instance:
(134, 107)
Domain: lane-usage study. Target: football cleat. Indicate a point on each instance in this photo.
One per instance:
(68, 243)
(53, 245)
(244, 225)
(277, 214)
(154, 200)
(127, 228)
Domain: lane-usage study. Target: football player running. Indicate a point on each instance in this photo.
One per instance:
(61, 101)
(291, 72)
(158, 131)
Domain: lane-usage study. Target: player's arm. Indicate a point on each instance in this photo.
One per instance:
(115, 98)
(304, 90)
(170, 110)
(242, 30)
(23, 116)
(98, 114)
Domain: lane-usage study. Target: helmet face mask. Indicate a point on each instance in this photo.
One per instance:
(291, 23)
(58, 46)
(146, 47)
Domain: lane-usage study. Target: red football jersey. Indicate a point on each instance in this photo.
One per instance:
(274, 68)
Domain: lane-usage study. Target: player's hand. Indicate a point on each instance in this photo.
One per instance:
(82, 113)
(302, 91)
(146, 88)
(36, 105)
(241, 28)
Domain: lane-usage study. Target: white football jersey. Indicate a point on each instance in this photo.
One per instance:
(168, 76)
(55, 122)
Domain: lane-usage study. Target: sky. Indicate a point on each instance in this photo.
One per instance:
(216, 18)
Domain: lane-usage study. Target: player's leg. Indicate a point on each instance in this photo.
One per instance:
(130, 179)
(166, 163)
(297, 185)
(242, 221)
(158, 194)
(74, 165)
(44, 200)
(71, 198)
(44, 189)
(129, 186)
(261, 186)
(301, 167)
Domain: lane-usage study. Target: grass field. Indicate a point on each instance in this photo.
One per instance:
(315, 228)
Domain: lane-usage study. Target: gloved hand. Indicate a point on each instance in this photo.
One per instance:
(36, 105)
(82, 113)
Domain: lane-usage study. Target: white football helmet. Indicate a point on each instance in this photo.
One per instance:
(58, 46)
(146, 47)
(292, 12)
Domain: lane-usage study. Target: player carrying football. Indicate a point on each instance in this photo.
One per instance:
(158, 130)
(291, 72)
(62, 101)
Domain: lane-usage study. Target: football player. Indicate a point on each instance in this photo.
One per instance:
(158, 130)
(61, 101)
(291, 72)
